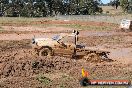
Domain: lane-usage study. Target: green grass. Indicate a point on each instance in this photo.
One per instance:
(87, 27)
(33, 22)
(1, 29)
(67, 81)
(14, 20)
(19, 20)
(44, 80)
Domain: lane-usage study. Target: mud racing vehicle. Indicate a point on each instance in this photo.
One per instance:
(66, 45)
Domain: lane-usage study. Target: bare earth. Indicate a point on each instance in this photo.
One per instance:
(17, 58)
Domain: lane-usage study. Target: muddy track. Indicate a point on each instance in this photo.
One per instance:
(19, 65)
(19, 60)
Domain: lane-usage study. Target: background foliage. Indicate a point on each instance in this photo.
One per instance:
(42, 8)
(126, 5)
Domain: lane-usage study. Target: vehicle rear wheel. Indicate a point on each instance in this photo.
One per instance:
(45, 52)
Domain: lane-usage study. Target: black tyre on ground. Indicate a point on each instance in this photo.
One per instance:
(45, 52)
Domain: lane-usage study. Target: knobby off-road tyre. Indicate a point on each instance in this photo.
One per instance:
(45, 52)
(92, 57)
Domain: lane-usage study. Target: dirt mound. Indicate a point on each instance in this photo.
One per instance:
(23, 63)
(93, 58)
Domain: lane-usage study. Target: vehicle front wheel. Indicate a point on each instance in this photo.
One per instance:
(45, 52)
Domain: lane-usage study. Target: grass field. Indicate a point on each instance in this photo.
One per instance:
(49, 22)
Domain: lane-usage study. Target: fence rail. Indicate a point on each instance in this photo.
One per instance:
(97, 18)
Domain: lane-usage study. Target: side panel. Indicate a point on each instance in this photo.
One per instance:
(65, 49)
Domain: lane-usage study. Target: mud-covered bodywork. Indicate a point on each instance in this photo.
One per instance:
(56, 44)
(65, 45)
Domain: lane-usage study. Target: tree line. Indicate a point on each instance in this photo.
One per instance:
(126, 5)
(43, 8)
